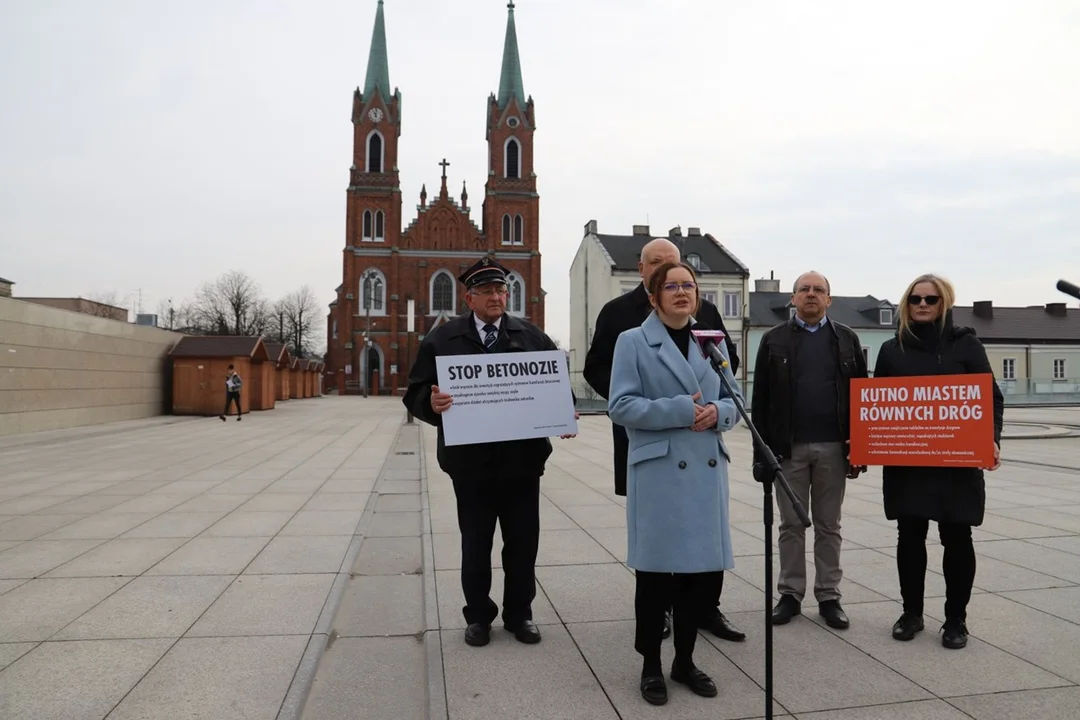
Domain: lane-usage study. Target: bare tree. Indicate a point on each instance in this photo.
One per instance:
(103, 305)
(280, 321)
(231, 305)
(304, 320)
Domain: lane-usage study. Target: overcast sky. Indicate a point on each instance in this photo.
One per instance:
(154, 145)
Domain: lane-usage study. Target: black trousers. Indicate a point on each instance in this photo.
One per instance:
(958, 565)
(515, 503)
(229, 398)
(691, 598)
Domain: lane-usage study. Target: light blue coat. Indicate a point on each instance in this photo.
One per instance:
(677, 479)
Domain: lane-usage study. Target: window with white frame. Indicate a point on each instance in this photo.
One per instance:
(1059, 368)
(442, 293)
(380, 226)
(375, 152)
(885, 316)
(710, 296)
(368, 226)
(732, 305)
(507, 238)
(694, 261)
(515, 303)
(1008, 369)
(373, 293)
(513, 159)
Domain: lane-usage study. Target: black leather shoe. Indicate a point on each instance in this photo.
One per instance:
(905, 628)
(722, 628)
(694, 678)
(667, 625)
(787, 608)
(526, 632)
(478, 634)
(654, 689)
(833, 614)
(955, 634)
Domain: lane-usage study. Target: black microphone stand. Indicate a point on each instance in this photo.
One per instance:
(777, 476)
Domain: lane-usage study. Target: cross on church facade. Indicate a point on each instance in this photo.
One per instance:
(444, 164)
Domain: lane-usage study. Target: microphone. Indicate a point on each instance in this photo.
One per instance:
(707, 340)
(1068, 288)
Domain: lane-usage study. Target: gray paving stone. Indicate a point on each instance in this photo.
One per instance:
(370, 678)
(38, 609)
(215, 678)
(30, 527)
(399, 487)
(377, 605)
(323, 522)
(302, 554)
(211, 556)
(587, 593)
(397, 503)
(249, 524)
(85, 505)
(275, 502)
(75, 680)
(608, 648)
(266, 605)
(148, 607)
(10, 652)
(918, 710)
(222, 503)
(394, 524)
(1054, 704)
(337, 501)
(121, 556)
(389, 556)
(37, 557)
(102, 526)
(452, 600)
(486, 682)
(175, 524)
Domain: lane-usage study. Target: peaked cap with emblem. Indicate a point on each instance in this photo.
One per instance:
(483, 271)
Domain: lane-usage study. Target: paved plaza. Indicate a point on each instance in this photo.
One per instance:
(304, 563)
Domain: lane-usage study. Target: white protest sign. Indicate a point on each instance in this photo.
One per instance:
(506, 396)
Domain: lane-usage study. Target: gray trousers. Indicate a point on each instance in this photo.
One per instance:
(817, 473)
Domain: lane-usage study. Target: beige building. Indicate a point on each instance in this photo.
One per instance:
(5, 287)
(1034, 351)
(606, 266)
(82, 305)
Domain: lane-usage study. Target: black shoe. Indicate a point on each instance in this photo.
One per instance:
(478, 634)
(238, 418)
(722, 628)
(955, 634)
(787, 608)
(833, 614)
(700, 683)
(526, 632)
(905, 628)
(654, 689)
(667, 625)
(222, 418)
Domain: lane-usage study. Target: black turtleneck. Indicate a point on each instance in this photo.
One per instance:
(927, 333)
(681, 336)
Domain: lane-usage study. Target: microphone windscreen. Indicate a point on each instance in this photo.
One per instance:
(702, 335)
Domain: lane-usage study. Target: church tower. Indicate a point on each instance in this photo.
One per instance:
(512, 204)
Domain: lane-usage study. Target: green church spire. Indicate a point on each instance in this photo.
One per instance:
(378, 67)
(510, 83)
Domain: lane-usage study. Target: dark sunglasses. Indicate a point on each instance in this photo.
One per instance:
(916, 299)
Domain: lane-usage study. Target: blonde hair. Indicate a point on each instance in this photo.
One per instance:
(944, 289)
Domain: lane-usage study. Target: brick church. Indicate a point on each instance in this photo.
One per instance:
(398, 284)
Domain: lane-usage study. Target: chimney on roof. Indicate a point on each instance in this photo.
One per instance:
(693, 232)
(641, 230)
(590, 227)
(984, 309)
(1056, 309)
(675, 231)
(767, 285)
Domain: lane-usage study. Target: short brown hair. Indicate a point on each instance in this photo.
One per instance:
(659, 277)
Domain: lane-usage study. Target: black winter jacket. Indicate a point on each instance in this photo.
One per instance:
(942, 494)
(772, 406)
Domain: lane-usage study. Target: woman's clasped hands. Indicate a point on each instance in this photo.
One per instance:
(705, 416)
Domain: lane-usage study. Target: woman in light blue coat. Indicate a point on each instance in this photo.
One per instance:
(666, 394)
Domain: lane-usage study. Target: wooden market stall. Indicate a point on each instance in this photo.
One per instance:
(296, 378)
(200, 365)
(281, 358)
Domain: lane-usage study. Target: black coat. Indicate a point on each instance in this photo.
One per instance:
(618, 315)
(942, 494)
(510, 458)
(773, 405)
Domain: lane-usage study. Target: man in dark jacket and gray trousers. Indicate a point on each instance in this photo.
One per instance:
(630, 311)
(802, 378)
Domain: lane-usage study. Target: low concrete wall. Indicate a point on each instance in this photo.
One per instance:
(62, 369)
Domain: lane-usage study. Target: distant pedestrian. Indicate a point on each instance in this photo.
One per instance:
(233, 384)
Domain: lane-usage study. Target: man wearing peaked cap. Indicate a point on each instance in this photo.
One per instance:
(495, 481)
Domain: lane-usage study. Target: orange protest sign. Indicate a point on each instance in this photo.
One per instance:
(931, 420)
